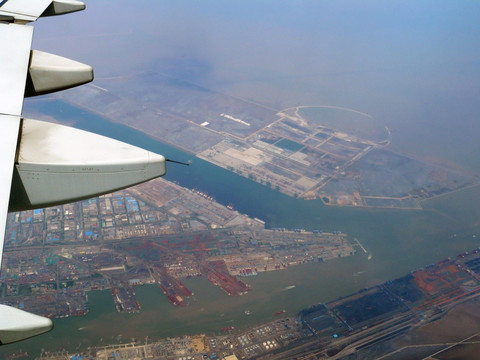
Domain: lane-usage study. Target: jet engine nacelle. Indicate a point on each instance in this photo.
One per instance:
(18, 325)
(57, 164)
(49, 73)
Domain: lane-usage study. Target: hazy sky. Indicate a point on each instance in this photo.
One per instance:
(413, 64)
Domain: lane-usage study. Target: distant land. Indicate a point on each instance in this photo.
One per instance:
(338, 155)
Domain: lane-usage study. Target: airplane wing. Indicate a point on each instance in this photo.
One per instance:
(45, 164)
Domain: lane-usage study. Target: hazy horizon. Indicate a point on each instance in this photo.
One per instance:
(413, 65)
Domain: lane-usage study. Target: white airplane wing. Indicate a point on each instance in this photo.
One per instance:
(44, 164)
(15, 42)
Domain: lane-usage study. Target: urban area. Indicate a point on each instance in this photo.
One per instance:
(362, 324)
(161, 233)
